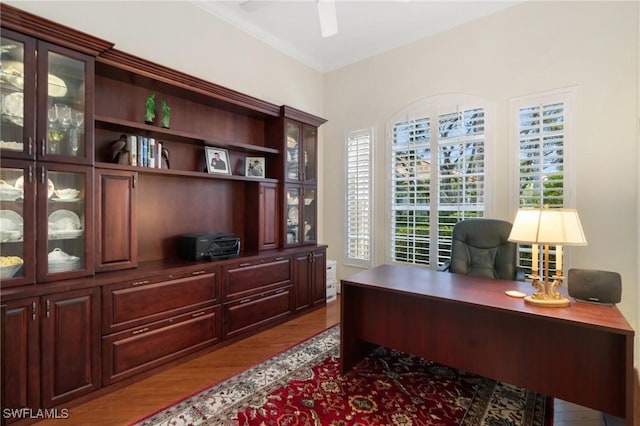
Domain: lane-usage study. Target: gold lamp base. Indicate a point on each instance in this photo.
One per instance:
(547, 294)
(548, 302)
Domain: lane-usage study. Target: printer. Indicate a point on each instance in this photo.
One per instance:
(209, 246)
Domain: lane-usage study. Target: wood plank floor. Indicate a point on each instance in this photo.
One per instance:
(165, 388)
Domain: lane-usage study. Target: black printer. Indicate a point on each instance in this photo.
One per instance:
(209, 246)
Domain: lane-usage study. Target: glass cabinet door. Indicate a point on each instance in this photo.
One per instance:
(310, 155)
(293, 215)
(65, 194)
(17, 95)
(292, 168)
(309, 225)
(17, 252)
(64, 80)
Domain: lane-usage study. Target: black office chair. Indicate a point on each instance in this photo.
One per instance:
(481, 247)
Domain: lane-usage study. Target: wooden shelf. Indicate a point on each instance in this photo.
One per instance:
(182, 173)
(116, 124)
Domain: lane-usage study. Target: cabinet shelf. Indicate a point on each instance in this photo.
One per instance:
(116, 124)
(182, 173)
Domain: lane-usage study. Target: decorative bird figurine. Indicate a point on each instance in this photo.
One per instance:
(119, 151)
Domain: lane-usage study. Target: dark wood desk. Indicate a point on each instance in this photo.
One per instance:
(582, 353)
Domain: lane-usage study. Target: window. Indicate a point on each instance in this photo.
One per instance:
(544, 131)
(437, 176)
(358, 203)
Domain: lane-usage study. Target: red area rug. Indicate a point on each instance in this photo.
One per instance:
(303, 386)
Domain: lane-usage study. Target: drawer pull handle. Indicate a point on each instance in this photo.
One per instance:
(140, 282)
(245, 301)
(142, 330)
(279, 258)
(198, 272)
(198, 314)
(242, 265)
(279, 290)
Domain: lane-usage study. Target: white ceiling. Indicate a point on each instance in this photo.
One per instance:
(365, 28)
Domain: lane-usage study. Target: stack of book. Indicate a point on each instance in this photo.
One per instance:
(144, 151)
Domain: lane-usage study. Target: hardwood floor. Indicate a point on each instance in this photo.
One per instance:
(169, 386)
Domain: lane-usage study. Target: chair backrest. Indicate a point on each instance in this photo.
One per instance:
(481, 247)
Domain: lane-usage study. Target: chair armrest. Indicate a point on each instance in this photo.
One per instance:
(444, 267)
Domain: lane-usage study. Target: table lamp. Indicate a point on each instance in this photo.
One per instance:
(548, 227)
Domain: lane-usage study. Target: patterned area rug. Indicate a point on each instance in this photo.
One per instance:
(303, 386)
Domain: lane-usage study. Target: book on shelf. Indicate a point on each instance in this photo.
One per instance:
(132, 147)
(152, 153)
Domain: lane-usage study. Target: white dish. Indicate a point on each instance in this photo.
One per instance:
(67, 193)
(9, 192)
(64, 220)
(65, 234)
(10, 235)
(66, 200)
(515, 293)
(13, 107)
(50, 187)
(293, 215)
(11, 221)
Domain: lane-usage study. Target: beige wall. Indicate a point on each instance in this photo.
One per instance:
(529, 48)
(526, 49)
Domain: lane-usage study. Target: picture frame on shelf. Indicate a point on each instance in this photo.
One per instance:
(254, 167)
(217, 160)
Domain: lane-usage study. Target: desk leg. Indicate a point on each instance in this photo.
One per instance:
(352, 348)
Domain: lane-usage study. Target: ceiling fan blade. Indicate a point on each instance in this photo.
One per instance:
(328, 18)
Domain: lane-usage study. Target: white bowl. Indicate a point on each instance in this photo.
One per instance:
(67, 193)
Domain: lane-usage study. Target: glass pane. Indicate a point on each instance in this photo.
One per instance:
(293, 151)
(309, 227)
(12, 94)
(310, 144)
(66, 106)
(11, 223)
(293, 216)
(66, 221)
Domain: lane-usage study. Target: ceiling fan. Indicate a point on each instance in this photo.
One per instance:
(326, 14)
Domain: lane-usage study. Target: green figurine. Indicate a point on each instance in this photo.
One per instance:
(166, 114)
(151, 109)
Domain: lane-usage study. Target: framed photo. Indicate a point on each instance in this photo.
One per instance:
(217, 160)
(254, 167)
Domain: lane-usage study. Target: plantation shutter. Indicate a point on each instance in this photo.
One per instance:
(461, 137)
(544, 138)
(358, 199)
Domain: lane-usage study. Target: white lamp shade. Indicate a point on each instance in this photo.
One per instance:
(548, 226)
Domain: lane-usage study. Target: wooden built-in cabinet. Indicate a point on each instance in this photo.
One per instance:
(100, 295)
(52, 348)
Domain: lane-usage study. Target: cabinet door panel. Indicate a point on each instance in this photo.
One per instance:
(301, 277)
(128, 353)
(70, 345)
(117, 238)
(21, 354)
(319, 280)
(17, 116)
(268, 237)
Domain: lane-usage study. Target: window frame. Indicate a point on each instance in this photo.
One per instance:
(569, 97)
(432, 108)
(347, 259)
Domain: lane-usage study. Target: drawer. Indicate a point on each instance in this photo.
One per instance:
(133, 304)
(253, 312)
(245, 278)
(131, 352)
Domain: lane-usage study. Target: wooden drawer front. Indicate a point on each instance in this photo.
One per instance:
(131, 352)
(243, 279)
(253, 312)
(136, 304)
